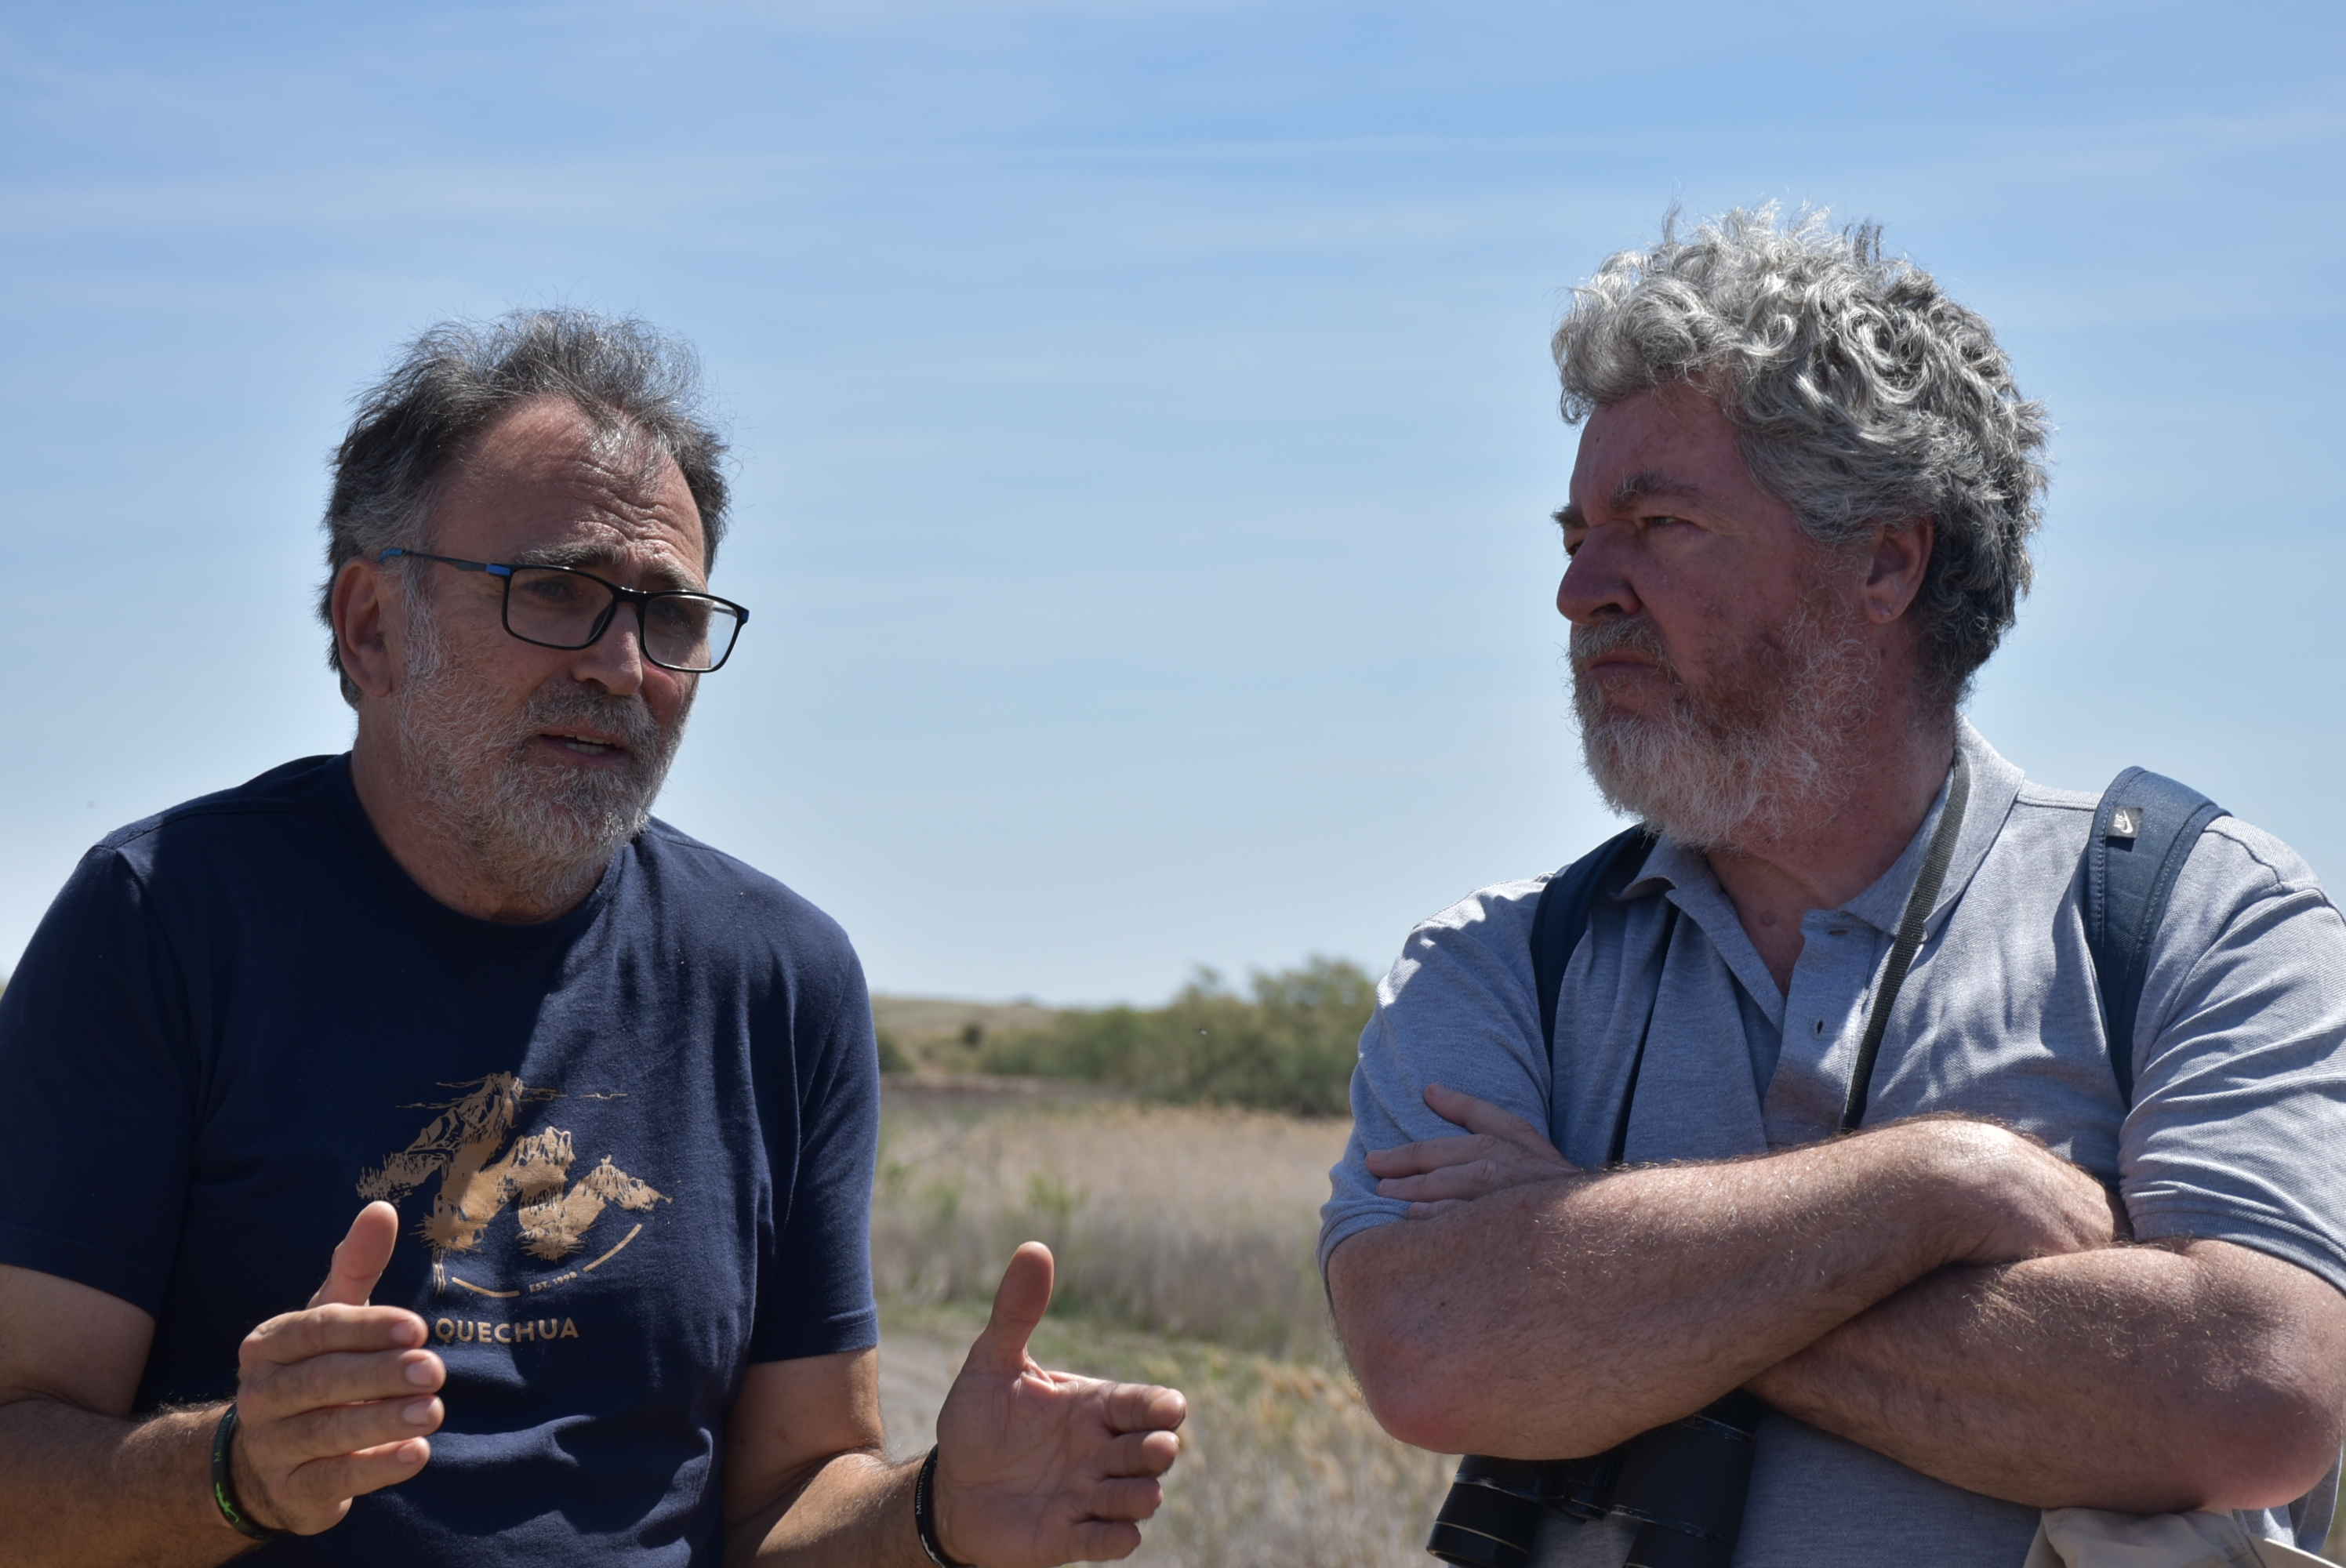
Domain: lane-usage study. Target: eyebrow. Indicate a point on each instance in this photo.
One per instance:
(594, 558)
(1645, 484)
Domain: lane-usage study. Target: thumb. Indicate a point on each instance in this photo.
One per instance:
(360, 1258)
(1019, 1304)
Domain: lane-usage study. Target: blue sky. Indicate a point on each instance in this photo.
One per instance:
(1144, 423)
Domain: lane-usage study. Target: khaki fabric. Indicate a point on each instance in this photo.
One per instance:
(2091, 1537)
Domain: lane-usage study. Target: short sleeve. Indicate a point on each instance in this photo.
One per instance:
(1457, 1008)
(2240, 1052)
(101, 1083)
(817, 1297)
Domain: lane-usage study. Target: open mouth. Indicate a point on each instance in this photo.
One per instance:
(586, 746)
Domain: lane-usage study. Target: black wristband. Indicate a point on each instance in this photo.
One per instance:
(224, 1483)
(924, 1514)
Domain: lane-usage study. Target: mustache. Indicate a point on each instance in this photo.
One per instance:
(553, 706)
(1618, 634)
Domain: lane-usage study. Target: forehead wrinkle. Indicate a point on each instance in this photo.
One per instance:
(558, 487)
(624, 453)
(576, 448)
(603, 556)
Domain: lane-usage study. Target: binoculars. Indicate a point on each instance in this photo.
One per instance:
(1683, 1485)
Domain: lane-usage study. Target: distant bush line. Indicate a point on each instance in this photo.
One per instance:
(1288, 1045)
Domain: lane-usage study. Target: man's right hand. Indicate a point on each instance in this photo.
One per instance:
(2026, 1201)
(334, 1401)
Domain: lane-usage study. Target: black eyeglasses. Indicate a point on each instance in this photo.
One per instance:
(562, 607)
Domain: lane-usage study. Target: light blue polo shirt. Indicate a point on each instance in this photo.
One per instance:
(2239, 1108)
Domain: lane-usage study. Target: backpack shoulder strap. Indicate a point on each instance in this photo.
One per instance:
(1563, 914)
(2143, 831)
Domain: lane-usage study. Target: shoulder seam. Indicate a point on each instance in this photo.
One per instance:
(2233, 837)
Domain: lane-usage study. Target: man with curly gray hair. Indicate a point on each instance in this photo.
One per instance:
(1844, 1165)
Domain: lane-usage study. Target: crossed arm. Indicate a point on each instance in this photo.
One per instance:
(1942, 1291)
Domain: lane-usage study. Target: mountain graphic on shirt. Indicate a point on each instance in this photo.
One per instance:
(481, 1175)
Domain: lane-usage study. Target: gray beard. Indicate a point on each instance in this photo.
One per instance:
(544, 833)
(1742, 765)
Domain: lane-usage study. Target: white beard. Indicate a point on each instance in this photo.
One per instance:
(549, 831)
(1742, 763)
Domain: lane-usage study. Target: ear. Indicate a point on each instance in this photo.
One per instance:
(1896, 565)
(361, 628)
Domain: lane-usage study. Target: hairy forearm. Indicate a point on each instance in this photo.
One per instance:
(1557, 1318)
(80, 1490)
(855, 1511)
(2129, 1377)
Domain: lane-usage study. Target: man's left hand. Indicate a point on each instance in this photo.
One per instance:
(1036, 1467)
(1499, 1150)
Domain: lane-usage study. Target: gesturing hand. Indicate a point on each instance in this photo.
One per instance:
(333, 1400)
(1035, 1467)
(1500, 1149)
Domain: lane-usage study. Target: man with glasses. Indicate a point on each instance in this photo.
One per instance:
(604, 1100)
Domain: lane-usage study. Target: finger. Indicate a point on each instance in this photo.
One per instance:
(341, 1378)
(360, 1257)
(1130, 1498)
(1141, 1453)
(323, 1483)
(1478, 1178)
(295, 1440)
(1019, 1303)
(1145, 1408)
(1431, 1154)
(1433, 1210)
(1482, 1117)
(297, 1335)
(1103, 1541)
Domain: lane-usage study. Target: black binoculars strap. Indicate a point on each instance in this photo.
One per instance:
(1620, 1149)
(1910, 938)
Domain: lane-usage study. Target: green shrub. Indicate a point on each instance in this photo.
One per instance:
(1287, 1046)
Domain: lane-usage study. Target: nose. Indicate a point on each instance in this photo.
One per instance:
(614, 661)
(1596, 582)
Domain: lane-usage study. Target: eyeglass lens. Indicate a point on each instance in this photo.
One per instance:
(559, 609)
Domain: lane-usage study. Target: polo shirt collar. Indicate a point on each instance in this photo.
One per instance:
(1994, 786)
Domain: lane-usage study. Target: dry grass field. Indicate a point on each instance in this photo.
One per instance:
(1184, 1237)
(943, 1034)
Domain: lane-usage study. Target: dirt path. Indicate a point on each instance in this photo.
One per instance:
(916, 1368)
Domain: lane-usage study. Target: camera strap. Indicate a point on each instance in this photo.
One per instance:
(1911, 925)
(1562, 918)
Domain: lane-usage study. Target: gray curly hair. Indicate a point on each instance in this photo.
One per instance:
(1860, 393)
(456, 379)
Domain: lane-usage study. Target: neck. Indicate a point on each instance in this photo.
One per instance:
(1899, 760)
(446, 860)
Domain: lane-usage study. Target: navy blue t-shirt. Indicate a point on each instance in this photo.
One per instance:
(631, 1148)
